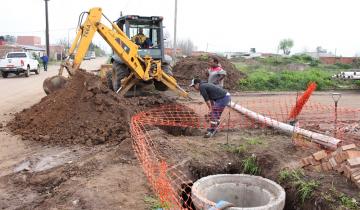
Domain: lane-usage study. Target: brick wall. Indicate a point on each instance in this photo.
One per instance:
(28, 40)
(333, 60)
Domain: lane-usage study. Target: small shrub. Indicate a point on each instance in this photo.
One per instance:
(250, 165)
(306, 188)
(347, 202)
(343, 66)
(291, 175)
(254, 141)
(238, 149)
(204, 57)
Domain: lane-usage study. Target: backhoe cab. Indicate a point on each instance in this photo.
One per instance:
(132, 63)
(152, 45)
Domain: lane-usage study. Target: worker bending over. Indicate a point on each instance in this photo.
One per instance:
(216, 99)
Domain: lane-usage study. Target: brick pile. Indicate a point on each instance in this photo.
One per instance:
(345, 160)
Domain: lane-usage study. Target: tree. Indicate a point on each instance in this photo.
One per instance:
(186, 46)
(62, 42)
(9, 39)
(285, 45)
(319, 49)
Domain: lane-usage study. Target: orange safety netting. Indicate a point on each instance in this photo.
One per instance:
(302, 101)
(170, 181)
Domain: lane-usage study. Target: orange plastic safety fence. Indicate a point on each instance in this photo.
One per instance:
(170, 181)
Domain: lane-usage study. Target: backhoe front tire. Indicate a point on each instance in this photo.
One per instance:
(109, 80)
(159, 85)
(119, 72)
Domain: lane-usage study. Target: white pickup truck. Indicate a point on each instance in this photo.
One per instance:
(19, 62)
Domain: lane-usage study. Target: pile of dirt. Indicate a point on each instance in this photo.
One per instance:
(196, 67)
(84, 112)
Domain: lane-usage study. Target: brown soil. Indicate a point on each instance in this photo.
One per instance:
(103, 177)
(84, 112)
(196, 67)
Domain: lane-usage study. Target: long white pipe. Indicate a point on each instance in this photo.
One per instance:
(324, 140)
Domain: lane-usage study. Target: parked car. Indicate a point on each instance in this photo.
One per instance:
(19, 62)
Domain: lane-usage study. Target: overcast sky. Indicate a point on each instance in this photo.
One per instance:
(226, 25)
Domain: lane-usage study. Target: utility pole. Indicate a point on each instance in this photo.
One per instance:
(47, 28)
(175, 30)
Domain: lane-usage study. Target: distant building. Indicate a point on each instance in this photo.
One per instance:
(329, 58)
(334, 60)
(28, 40)
(317, 55)
(36, 51)
(57, 52)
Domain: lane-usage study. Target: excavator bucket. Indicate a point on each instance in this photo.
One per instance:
(54, 83)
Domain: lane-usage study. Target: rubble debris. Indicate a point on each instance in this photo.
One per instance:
(345, 160)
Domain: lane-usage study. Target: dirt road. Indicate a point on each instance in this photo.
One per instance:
(37, 176)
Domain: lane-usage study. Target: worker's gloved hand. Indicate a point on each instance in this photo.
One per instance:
(222, 205)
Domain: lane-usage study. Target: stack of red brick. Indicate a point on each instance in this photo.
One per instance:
(346, 160)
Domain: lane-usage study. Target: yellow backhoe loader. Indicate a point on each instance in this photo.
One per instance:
(141, 68)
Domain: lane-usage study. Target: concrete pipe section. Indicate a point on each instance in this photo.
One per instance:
(237, 191)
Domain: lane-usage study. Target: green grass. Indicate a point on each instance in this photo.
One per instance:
(250, 165)
(155, 203)
(241, 148)
(304, 187)
(238, 149)
(347, 202)
(334, 197)
(271, 74)
(254, 141)
(261, 79)
(290, 175)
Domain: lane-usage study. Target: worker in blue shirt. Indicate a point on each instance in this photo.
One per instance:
(45, 60)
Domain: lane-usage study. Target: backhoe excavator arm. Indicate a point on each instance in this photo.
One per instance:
(141, 68)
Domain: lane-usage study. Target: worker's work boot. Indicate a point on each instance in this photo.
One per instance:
(210, 133)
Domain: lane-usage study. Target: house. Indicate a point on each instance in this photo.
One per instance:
(28, 40)
(6, 48)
